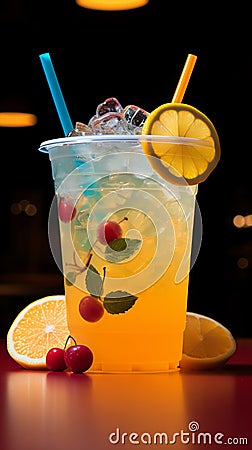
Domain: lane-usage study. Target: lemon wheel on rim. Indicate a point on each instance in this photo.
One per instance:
(194, 157)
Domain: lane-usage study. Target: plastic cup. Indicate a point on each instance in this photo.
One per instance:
(140, 277)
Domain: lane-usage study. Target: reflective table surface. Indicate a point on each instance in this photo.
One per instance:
(41, 410)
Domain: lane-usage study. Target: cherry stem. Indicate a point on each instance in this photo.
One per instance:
(122, 220)
(89, 255)
(68, 338)
(80, 269)
(103, 279)
(88, 260)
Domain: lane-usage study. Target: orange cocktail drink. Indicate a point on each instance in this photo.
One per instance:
(125, 185)
(126, 237)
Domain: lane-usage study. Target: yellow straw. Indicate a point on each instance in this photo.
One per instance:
(184, 79)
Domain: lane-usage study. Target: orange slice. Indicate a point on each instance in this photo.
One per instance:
(207, 344)
(38, 327)
(194, 157)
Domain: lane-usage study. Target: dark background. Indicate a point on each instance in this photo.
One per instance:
(136, 56)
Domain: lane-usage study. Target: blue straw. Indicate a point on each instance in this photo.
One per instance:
(56, 93)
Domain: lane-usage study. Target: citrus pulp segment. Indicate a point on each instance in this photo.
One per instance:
(207, 343)
(194, 156)
(41, 325)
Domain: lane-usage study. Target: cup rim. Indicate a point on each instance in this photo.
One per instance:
(134, 138)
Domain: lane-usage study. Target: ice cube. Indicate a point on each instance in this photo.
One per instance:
(109, 105)
(111, 118)
(109, 123)
(81, 129)
(135, 117)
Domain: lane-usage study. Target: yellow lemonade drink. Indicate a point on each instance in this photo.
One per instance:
(137, 269)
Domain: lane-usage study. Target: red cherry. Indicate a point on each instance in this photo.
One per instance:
(78, 358)
(55, 360)
(91, 309)
(67, 210)
(108, 231)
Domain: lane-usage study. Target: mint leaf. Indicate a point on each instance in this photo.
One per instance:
(121, 249)
(70, 278)
(118, 302)
(118, 244)
(94, 281)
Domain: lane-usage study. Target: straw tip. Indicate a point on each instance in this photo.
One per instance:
(44, 55)
(192, 57)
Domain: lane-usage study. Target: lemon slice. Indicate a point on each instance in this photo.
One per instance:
(194, 157)
(207, 343)
(41, 325)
